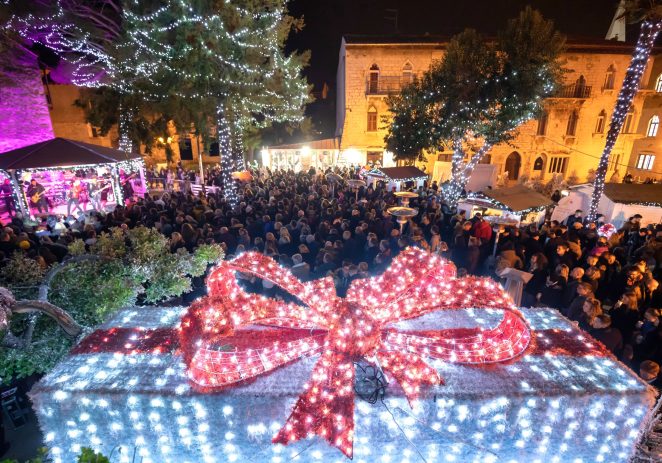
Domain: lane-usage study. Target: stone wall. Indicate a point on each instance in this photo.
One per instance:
(69, 120)
(582, 151)
(24, 117)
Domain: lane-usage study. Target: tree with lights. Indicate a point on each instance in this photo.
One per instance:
(649, 13)
(477, 95)
(216, 66)
(121, 269)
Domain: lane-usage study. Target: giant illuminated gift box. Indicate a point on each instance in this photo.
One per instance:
(125, 390)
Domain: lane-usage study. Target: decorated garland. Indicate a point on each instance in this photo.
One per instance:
(220, 351)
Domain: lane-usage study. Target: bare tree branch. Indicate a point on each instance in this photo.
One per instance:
(63, 319)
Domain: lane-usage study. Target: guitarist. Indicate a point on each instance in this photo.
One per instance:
(96, 194)
(8, 197)
(37, 194)
(75, 193)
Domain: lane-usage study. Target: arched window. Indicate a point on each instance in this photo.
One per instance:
(658, 84)
(600, 123)
(539, 163)
(571, 129)
(372, 119)
(407, 74)
(628, 121)
(609, 78)
(614, 162)
(653, 125)
(373, 79)
(542, 124)
(580, 87)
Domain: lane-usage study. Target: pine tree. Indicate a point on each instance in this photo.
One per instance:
(477, 95)
(217, 66)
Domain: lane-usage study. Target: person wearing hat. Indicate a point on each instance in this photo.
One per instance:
(576, 217)
(600, 247)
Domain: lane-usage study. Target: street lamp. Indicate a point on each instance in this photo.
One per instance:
(402, 214)
(405, 196)
(333, 179)
(355, 184)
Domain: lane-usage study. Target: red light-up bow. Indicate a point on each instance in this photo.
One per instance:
(342, 331)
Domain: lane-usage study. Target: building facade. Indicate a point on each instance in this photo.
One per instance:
(68, 121)
(35, 109)
(568, 138)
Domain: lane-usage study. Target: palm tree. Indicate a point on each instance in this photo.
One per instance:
(649, 13)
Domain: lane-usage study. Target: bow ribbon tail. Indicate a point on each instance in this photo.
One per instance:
(409, 370)
(326, 408)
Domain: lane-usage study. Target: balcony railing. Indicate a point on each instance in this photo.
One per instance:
(386, 85)
(573, 91)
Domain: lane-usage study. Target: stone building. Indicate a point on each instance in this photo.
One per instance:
(37, 108)
(68, 121)
(568, 138)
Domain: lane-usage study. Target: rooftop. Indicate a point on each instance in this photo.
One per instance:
(324, 144)
(633, 193)
(62, 152)
(518, 198)
(399, 173)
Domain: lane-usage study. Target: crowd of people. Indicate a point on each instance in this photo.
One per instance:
(608, 285)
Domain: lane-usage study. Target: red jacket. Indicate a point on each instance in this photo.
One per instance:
(482, 230)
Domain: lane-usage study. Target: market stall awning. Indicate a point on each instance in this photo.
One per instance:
(62, 152)
(633, 193)
(518, 198)
(325, 144)
(399, 174)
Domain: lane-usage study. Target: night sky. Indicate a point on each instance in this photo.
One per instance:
(328, 20)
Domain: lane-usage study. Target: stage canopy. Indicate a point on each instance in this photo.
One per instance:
(62, 152)
(49, 160)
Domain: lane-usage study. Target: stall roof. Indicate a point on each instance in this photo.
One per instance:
(633, 193)
(399, 173)
(325, 144)
(61, 152)
(519, 198)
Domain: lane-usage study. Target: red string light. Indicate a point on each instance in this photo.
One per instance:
(219, 353)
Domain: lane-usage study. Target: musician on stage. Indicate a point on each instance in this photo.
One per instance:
(37, 195)
(127, 189)
(8, 197)
(75, 192)
(95, 193)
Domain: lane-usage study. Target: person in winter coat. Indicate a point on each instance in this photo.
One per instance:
(508, 255)
(473, 255)
(611, 337)
(538, 267)
(625, 315)
(554, 286)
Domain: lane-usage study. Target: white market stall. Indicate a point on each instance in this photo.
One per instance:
(513, 205)
(619, 202)
(482, 176)
(397, 177)
(320, 154)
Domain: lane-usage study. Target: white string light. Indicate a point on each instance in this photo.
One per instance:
(647, 35)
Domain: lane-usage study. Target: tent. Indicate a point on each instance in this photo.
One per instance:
(619, 202)
(514, 204)
(395, 177)
(50, 159)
